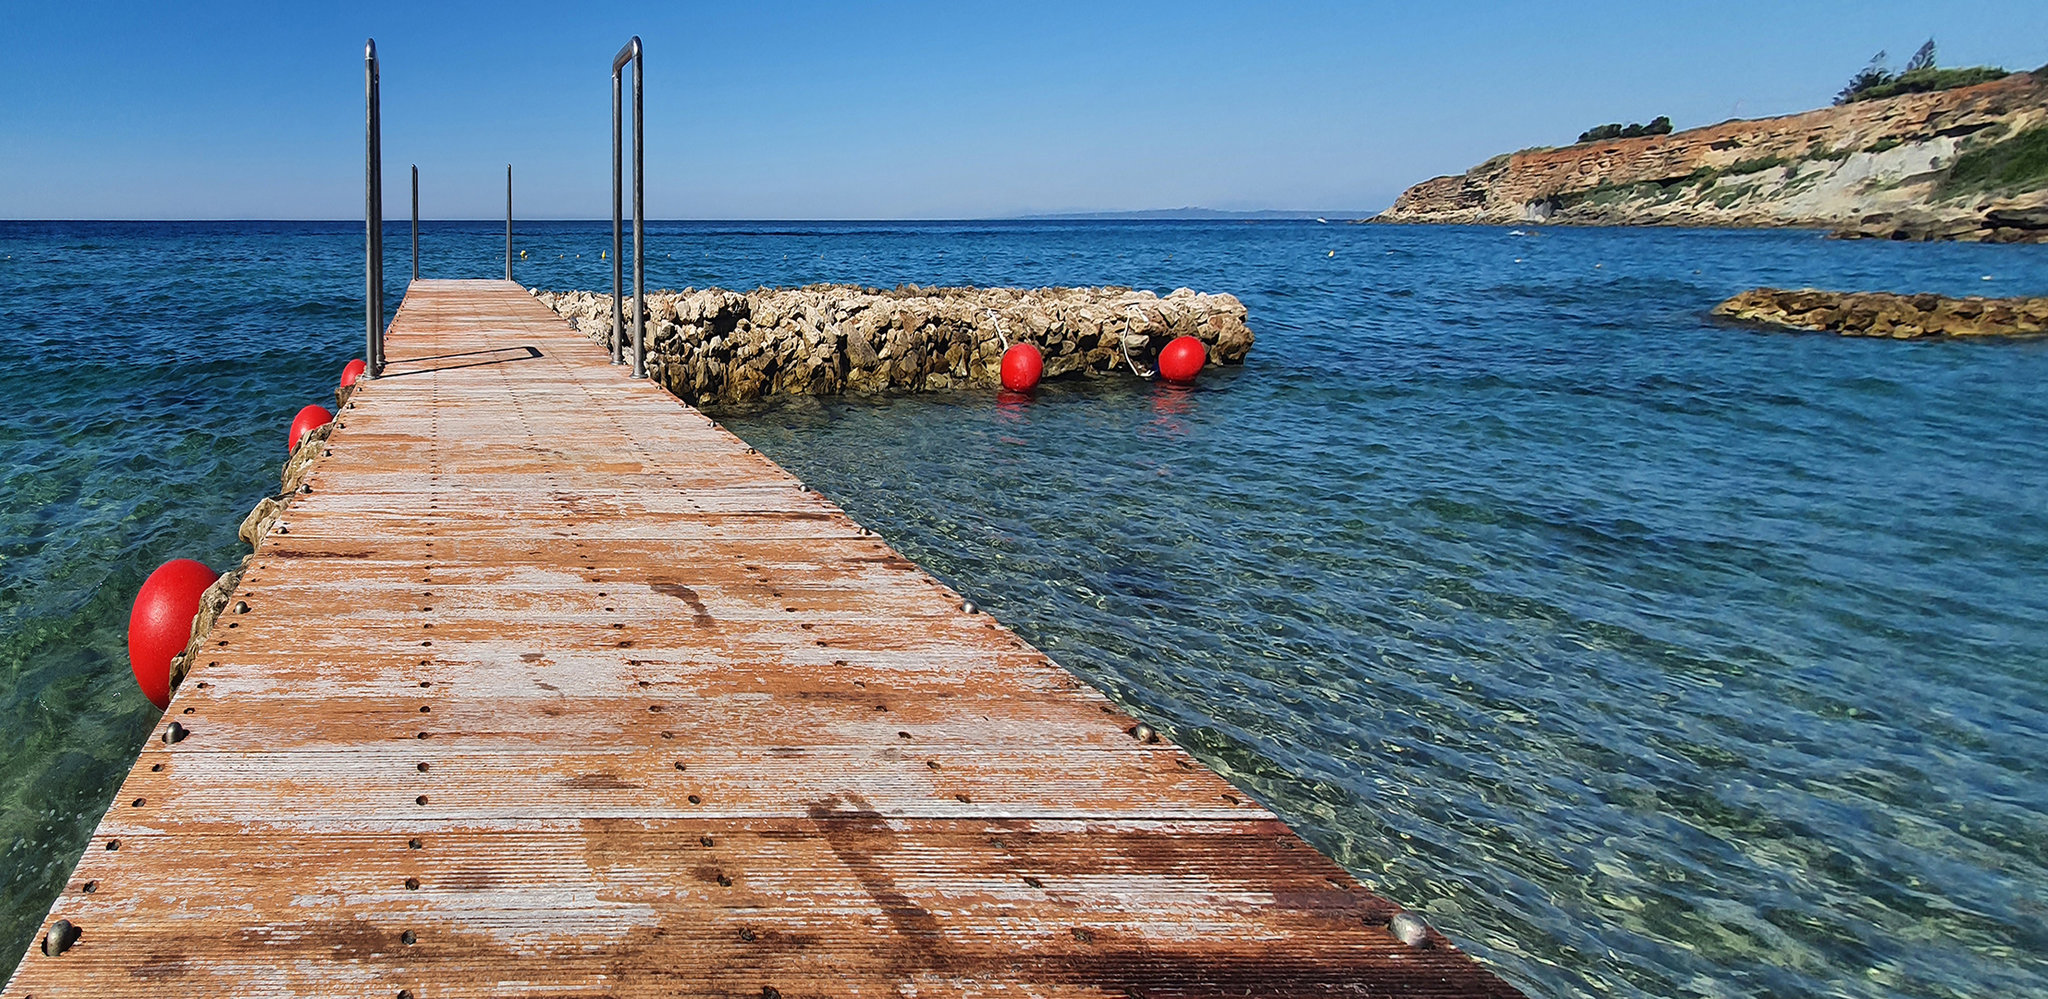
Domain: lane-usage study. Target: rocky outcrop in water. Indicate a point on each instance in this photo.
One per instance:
(1899, 317)
(717, 346)
(1879, 168)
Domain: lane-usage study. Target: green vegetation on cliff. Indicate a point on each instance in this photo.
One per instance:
(1929, 80)
(1660, 125)
(2016, 163)
(1921, 76)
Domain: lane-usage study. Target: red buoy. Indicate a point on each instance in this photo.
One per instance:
(1181, 359)
(160, 623)
(1022, 366)
(352, 371)
(309, 419)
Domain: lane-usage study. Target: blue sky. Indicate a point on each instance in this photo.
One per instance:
(890, 110)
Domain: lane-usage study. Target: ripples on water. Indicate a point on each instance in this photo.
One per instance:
(1648, 657)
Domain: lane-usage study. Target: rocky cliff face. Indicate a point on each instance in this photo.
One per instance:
(1872, 168)
(716, 346)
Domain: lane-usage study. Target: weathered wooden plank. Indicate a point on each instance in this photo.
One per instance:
(381, 783)
(761, 705)
(551, 686)
(837, 904)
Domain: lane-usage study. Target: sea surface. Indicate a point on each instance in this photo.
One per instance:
(1646, 656)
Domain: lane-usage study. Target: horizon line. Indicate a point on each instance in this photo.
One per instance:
(1166, 215)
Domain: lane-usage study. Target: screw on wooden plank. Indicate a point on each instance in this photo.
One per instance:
(60, 938)
(1143, 732)
(408, 938)
(968, 607)
(241, 606)
(175, 733)
(1410, 929)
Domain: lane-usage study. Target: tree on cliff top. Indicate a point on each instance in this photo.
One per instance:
(1873, 75)
(1920, 76)
(1660, 125)
(1922, 59)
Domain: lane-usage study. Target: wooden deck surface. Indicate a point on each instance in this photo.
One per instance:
(554, 687)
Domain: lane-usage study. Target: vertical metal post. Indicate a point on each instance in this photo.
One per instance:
(373, 219)
(508, 221)
(415, 221)
(631, 52)
(618, 343)
(639, 254)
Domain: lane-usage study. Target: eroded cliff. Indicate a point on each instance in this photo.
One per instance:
(1882, 168)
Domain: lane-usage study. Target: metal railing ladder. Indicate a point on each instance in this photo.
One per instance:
(630, 53)
(373, 221)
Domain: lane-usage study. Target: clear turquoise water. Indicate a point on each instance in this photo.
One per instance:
(1648, 657)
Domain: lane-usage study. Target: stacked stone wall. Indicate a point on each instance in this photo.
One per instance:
(715, 346)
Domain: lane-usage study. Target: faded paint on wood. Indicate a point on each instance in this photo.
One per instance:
(551, 686)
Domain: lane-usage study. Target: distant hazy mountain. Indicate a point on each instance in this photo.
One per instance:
(1205, 213)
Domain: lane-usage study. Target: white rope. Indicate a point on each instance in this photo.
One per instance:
(1124, 342)
(998, 320)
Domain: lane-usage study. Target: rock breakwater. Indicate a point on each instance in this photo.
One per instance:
(714, 346)
(1880, 168)
(1880, 314)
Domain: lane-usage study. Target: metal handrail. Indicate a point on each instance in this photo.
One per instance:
(373, 220)
(508, 221)
(630, 53)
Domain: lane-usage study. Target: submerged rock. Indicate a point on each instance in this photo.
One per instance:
(718, 346)
(1881, 314)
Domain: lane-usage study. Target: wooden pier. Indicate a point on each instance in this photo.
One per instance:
(553, 687)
